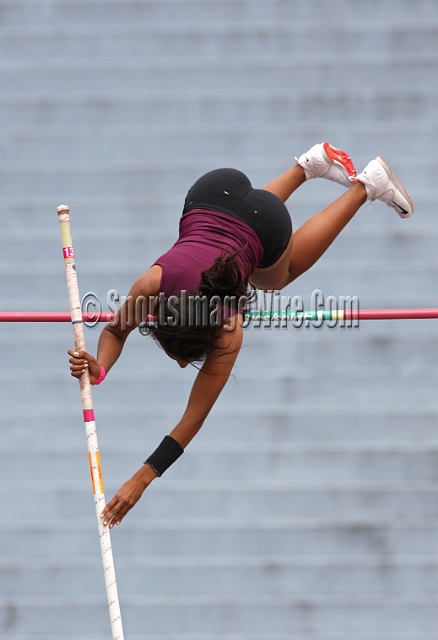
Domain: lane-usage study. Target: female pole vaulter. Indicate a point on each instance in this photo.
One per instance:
(231, 235)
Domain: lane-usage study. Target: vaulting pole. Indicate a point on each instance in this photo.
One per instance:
(90, 426)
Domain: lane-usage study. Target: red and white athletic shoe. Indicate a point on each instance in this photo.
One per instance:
(325, 161)
(381, 184)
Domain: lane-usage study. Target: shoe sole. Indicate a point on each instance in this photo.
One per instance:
(337, 156)
(399, 186)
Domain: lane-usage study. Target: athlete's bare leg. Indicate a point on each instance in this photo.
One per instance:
(287, 183)
(315, 236)
(312, 239)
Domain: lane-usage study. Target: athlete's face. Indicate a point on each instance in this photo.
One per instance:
(182, 363)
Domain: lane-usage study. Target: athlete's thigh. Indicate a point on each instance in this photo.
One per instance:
(277, 275)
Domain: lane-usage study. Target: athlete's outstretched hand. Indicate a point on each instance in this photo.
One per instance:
(81, 360)
(127, 496)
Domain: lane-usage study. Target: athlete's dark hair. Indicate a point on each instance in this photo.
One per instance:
(188, 325)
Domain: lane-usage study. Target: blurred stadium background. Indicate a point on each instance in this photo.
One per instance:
(307, 508)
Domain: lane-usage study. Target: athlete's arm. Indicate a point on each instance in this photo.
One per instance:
(206, 389)
(208, 384)
(114, 334)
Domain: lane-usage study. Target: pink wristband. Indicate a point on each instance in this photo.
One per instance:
(101, 377)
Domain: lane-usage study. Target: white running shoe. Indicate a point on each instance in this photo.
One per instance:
(381, 184)
(325, 161)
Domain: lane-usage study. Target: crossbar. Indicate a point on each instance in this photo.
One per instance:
(363, 314)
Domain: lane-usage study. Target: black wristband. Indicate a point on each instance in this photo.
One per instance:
(167, 452)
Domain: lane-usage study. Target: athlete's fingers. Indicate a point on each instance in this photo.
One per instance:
(114, 514)
(77, 358)
(78, 364)
(77, 354)
(80, 361)
(126, 497)
(77, 367)
(111, 518)
(117, 516)
(110, 511)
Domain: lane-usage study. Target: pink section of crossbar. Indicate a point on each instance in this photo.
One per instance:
(391, 314)
(51, 316)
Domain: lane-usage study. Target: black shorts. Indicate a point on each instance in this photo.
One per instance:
(229, 191)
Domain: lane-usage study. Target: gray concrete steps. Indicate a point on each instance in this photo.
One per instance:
(285, 463)
(178, 537)
(306, 350)
(235, 636)
(210, 11)
(373, 105)
(347, 384)
(238, 575)
(243, 614)
(122, 145)
(246, 72)
(306, 507)
(281, 38)
(228, 636)
(226, 499)
(241, 423)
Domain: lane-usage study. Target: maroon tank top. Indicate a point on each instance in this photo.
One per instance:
(203, 236)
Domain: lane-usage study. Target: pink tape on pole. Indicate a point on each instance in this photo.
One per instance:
(88, 415)
(68, 252)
